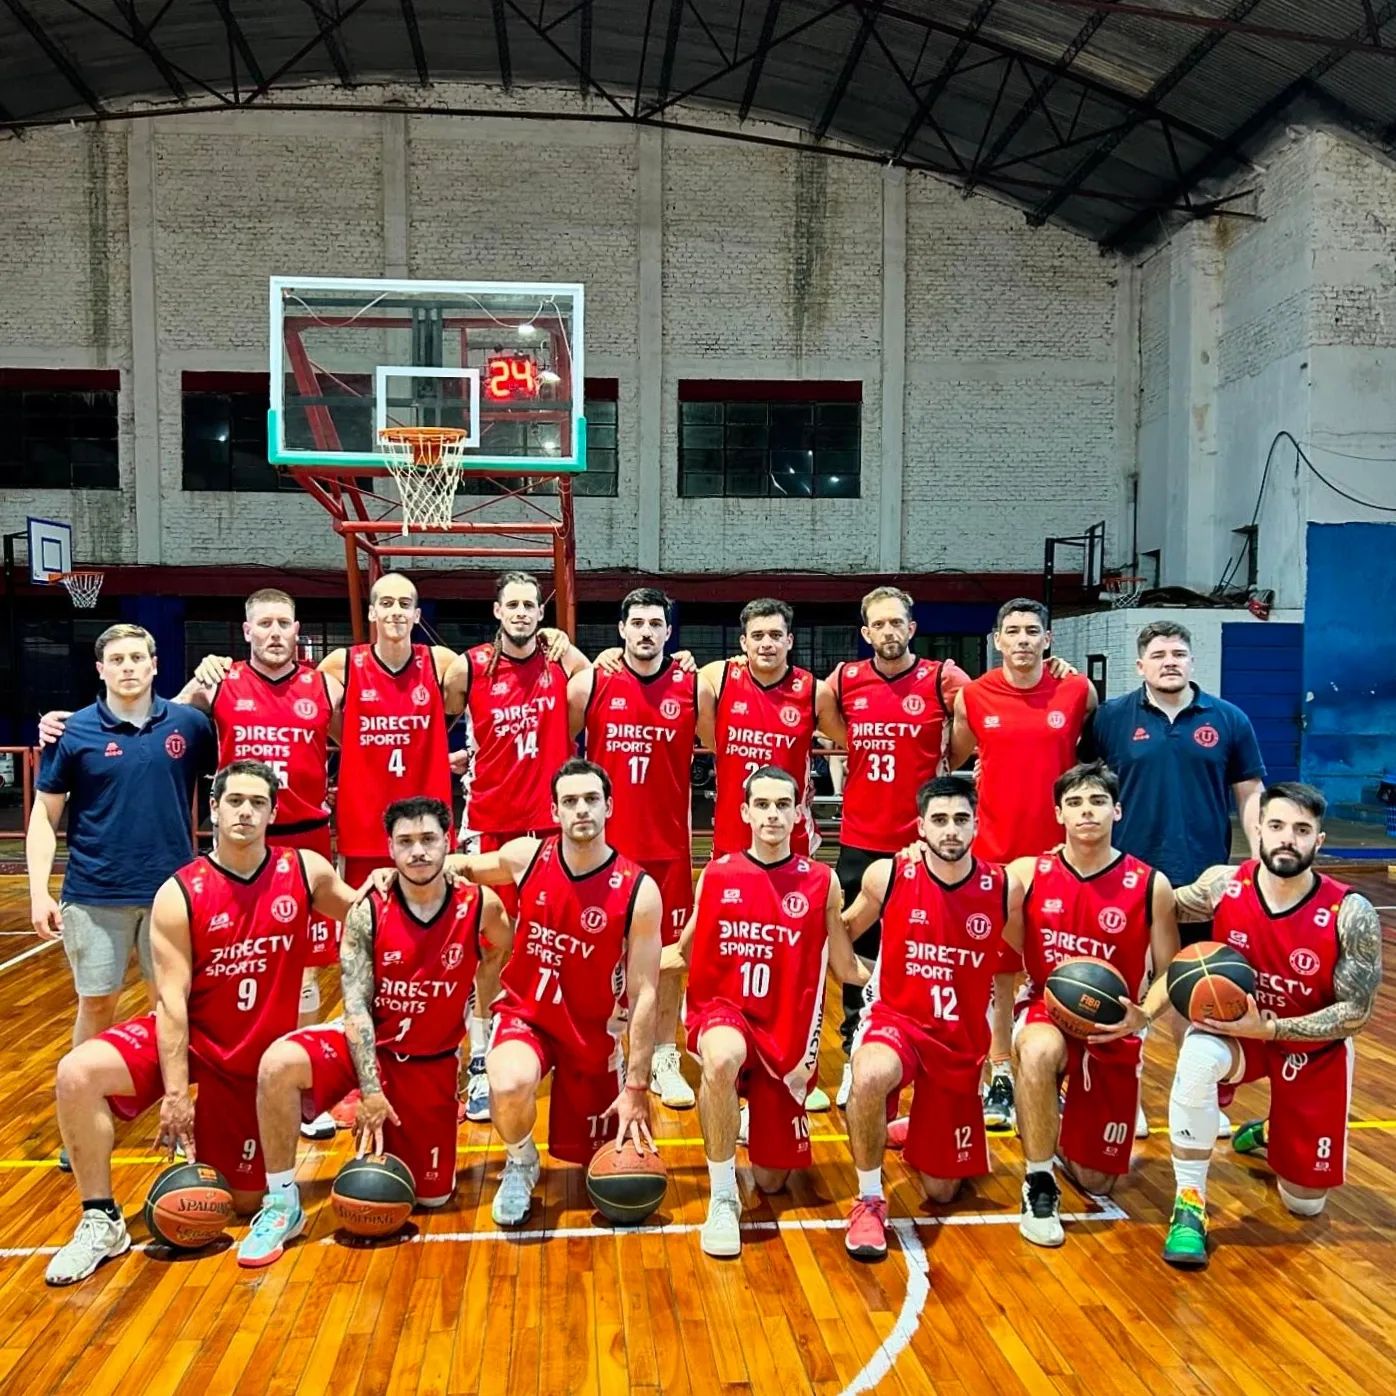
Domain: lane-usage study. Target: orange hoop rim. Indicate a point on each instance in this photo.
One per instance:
(429, 445)
(77, 574)
(1121, 583)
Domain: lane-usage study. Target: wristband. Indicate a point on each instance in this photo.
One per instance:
(629, 1087)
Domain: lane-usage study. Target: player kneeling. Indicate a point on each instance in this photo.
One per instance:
(1316, 948)
(231, 936)
(765, 926)
(408, 959)
(945, 916)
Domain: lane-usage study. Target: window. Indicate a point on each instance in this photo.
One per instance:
(759, 440)
(225, 433)
(58, 429)
(602, 472)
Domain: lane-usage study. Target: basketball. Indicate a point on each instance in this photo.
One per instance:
(1210, 980)
(189, 1206)
(1083, 996)
(626, 1185)
(373, 1196)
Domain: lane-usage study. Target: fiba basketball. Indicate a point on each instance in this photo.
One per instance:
(1083, 996)
(373, 1196)
(1210, 980)
(626, 1185)
(189, 1206)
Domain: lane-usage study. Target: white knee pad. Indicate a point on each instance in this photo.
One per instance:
(1301, 1206)
(310, 995)
(1193, 1112)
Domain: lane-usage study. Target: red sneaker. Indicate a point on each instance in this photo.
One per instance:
(867, 1229)
(347, 1111)
(896, 1132)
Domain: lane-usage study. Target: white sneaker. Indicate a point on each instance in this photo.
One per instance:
(1141, 1124)
(96, 1239)
(721, 1233)
(1040, 1222)
(1224, 1126)
(744, 1125)
(321, 1127)
(666, 1079)
(477, 1098)
(817, 1101)
(514, 1199)
(845, 1086)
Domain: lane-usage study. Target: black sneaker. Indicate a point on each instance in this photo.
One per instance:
(64, 1163)
(998, 1102)
(1042, 1200)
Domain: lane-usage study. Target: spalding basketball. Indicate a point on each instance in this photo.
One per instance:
(189, 1206)
(1210, 980)
(626, 1185)
(374, 1195)
(1083, 996)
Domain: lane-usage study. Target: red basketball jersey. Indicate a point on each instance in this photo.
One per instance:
(424, 971)
(566, 972)
(761, 945)
(1106, 916)
(1294, 952)
(518, 715)
(393, 745)
(250, 939)
(940, 949)
(897, 738)
(760, 726)
(640, 732)
(1027, 738)
(286, 723)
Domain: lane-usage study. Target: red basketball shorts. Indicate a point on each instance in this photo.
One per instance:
(577, 1121)
(225, 1107)
(324, 931)
(674, 878)
(1102, 1097)
(422, 1090)
(778, 1127)
(945, 1133)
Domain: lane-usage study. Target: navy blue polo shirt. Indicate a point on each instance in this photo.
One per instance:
(1176, 777)
(129, 794)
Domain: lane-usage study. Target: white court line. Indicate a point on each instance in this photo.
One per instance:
(918, 1290)
(29, 954)
(1109, 1212)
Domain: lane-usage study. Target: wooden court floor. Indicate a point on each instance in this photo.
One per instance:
(961, 1304)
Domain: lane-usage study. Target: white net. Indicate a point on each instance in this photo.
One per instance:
(1122, 592)
(425, 463)
(83, 587)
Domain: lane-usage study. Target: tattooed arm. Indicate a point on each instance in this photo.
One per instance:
(356, 980)
(1198, 900)
(1356, 979)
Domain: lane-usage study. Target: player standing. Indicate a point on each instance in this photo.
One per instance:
(587, 942)
(896, 708)
(1088, 900)
(230, 932)
(944, 914)
(1025, 723)
(765, 929)
(640, 721)
(410, 957)
(1316, 946)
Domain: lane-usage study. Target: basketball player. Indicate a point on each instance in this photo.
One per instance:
(896, 708)
(587, 942)
(639, 722)
(1088, 900)
(1025, 723)
(1316, 947)
(943, 915)
(230, 932)
(765, 928)
(410, 957)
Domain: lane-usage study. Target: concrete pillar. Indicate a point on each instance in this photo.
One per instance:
(1121, 544)
(396, 219)
(145, 359)
(649, 346)
(893, 370)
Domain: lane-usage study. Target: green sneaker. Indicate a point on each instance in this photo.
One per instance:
(1186, 1243)
(1251, 1138)
(280, 1221)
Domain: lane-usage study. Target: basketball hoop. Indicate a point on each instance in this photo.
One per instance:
(82, 586)
(425, 463)
(1122, 591)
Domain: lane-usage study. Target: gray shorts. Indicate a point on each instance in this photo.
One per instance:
(98, 940)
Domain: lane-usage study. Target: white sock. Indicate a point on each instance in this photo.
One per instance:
(1001, 1068)
(1191, 1173)
(283, 1185)
(525, 1151)
(479, 1036)
(722, 1177)
(1045, 1166)
(869, 1182)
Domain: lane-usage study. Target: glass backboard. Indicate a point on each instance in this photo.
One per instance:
(502, 361)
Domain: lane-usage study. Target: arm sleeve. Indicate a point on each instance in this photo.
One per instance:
(1243, 761)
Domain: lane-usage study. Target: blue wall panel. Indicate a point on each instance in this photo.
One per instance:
(1262, 670)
